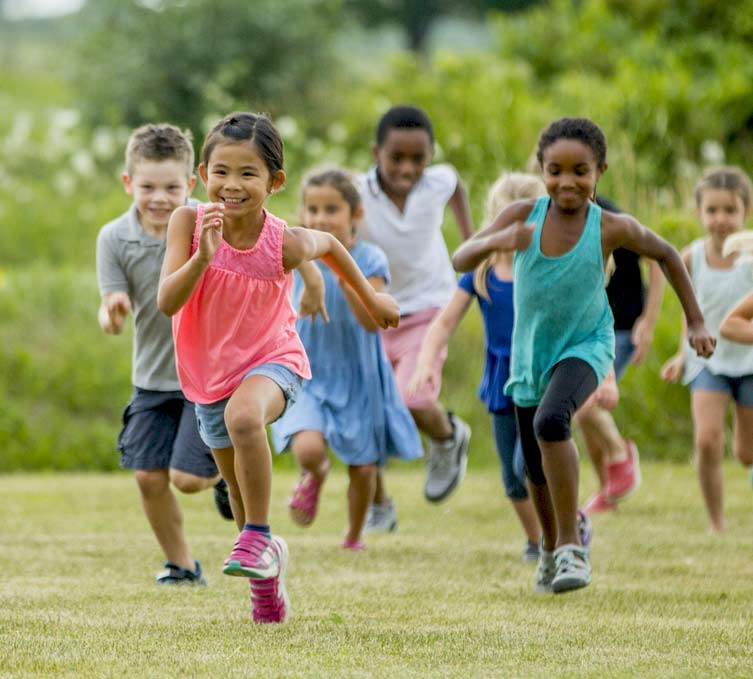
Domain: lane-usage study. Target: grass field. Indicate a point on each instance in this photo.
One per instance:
(446, 596)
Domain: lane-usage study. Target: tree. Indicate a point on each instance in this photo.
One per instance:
(185, 60)
(417, 17)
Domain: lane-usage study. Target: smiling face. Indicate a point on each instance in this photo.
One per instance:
(722, 212)
(325, 209)
(571, 173)
(158, 187)
(402, 159)
(237, 176)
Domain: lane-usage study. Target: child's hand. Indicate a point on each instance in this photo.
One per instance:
(672, 370)
(312, 303)
(210, 237)
(423, 375)
(607, 394)
(385, 311)
(523, 235)
(701, 340)
(118, 306)
(642, 336)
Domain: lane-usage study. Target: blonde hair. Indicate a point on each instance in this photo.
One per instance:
(509, 187)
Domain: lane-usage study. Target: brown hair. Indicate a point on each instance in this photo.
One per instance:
(509, 187)
(159, 142)
(727, 178)
(339, 179)
(252, 127)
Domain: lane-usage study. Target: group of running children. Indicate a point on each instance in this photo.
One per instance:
(227, 340)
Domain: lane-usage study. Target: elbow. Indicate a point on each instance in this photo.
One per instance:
(727, 329)
(164, 305)
(459, 262)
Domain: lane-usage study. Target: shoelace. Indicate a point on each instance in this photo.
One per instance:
(570, 561)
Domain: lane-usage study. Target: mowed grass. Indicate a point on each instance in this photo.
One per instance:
(445, 596)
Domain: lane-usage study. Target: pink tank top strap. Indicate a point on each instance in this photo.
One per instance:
(270, 245)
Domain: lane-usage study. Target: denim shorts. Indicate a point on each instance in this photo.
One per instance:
(739, 388)
(623, 351)
(211, 416)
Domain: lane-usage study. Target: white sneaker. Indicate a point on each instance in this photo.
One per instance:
(382, 518)
(573, 568)
(447, 461)
(545, 572)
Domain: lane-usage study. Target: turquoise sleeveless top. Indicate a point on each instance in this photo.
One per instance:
(561, 309)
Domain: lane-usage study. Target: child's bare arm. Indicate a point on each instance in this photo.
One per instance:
(737, 326)
(619, 230)
(312, 298)
(506, 233)
(437, 338)
(643, 330)
(462, 210)
(182, 270)
(356, 306)
(301, 244)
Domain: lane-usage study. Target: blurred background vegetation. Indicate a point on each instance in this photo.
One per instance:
(670, 82)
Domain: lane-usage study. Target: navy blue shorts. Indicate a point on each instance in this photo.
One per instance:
(160, 432)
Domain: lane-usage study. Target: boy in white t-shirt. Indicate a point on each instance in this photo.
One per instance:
(404, 201)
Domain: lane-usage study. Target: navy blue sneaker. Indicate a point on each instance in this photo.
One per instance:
(175, 575)
(222, 500)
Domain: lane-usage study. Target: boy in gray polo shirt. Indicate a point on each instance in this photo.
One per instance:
(159, 439)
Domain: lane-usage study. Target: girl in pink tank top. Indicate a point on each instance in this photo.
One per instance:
(226, 281)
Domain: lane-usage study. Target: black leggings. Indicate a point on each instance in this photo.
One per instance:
(573, 381)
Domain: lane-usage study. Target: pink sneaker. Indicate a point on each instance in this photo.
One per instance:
(623, 478)
(269, 598)
(354, 545)
(304, 501)
(598, 503)
(254, 556)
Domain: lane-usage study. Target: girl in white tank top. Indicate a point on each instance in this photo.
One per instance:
(721, 279)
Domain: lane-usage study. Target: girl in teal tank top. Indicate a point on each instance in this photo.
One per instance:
(563, 343)
(562, 309)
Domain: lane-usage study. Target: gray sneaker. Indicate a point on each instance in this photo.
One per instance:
(545, 572)
(382, 518)
(447, 461)
(573, 568)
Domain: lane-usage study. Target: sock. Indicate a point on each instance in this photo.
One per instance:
(260, 528)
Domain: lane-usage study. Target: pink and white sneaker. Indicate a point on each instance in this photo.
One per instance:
(254, 556)
(269, 598)
(623, 478)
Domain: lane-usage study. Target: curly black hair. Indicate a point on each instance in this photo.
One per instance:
(581, 129)
(403, 116)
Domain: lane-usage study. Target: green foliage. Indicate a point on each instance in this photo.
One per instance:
(188, 60)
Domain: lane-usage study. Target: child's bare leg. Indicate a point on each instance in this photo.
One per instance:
(164, 515)
(709, 409)
(190, 483)
(560, 462)
(310, 451)
(527, 517)
(603, 440)
(225, 460)
(360, 497)
(380, 490)
(433, 421)
(744, 434)
(542, 502)
(257, 401)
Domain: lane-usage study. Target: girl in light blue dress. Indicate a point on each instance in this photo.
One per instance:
(351, 404)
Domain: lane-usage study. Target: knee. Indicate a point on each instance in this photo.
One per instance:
(152, 482)
(551, 426)
(363, 474)
(187, 483)
(515, 489)
(243, 424)
(309, 452)
(709, 445)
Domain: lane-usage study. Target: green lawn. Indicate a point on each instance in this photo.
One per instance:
(446, 596)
